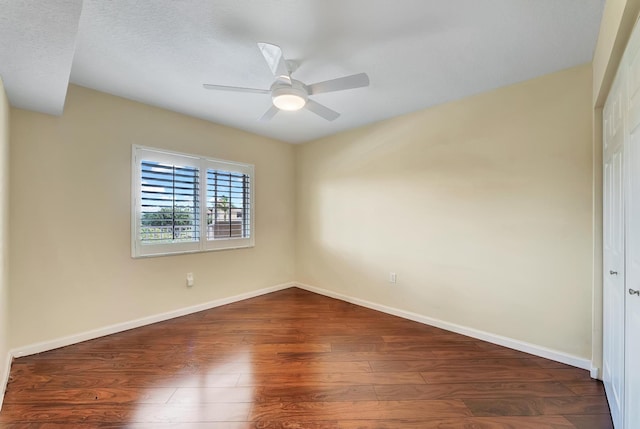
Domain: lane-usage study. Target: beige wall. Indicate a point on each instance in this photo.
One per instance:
(482, 207)
(71, 265)
(393, 196)
(4, 236)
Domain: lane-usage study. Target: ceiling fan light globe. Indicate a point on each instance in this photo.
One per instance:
(289, 97)
(289, 102)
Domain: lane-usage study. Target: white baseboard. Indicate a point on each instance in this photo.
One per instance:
(511, 343)
(4, 377)
(125, 326)
(595, 373)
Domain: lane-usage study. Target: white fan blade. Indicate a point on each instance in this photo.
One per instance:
(274, 58)
(236, 89)
(269, 114)
(321, 110)
(348, 82)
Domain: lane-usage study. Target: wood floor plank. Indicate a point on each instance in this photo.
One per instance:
(517, 374)
(590, 387)
(90, 396)
(316, 393)
(141, 413)
(126, 380)
(356, 356)
(373, 410)
(475, 352)
(599, 421)
(207, 425)
(583, 405)
(212, 395)
(436, 335)
(555, 422)
(472, 390)
(537, 422)
(296, 360)
(233, 365)
(451, 365)
(335, 379)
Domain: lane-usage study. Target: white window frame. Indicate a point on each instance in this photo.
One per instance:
(144, 153)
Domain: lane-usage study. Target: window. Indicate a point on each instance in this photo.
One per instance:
(185, 203)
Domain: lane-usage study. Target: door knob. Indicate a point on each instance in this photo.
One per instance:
(634, 292)
(613, 273)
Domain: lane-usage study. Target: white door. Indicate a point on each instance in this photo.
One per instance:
(632, 310)
(632, 206)
(613, 239)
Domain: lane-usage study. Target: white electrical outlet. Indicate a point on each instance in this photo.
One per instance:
(393, 278)
(190, 281)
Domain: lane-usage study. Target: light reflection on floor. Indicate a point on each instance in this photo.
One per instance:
(210, 394)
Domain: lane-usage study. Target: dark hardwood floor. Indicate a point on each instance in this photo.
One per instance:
(294, 359)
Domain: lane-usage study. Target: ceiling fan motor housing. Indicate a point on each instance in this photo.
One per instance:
(289, 97)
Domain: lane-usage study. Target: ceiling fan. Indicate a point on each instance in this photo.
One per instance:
(291, 94)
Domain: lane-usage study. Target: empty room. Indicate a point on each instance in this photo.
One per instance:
(320, 214)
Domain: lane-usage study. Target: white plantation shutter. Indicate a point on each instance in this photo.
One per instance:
(184, 203)
(169, 203)
(228, 204)
(229, 196)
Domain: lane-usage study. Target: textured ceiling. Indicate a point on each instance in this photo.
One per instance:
(37, 41)
(418, 53)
